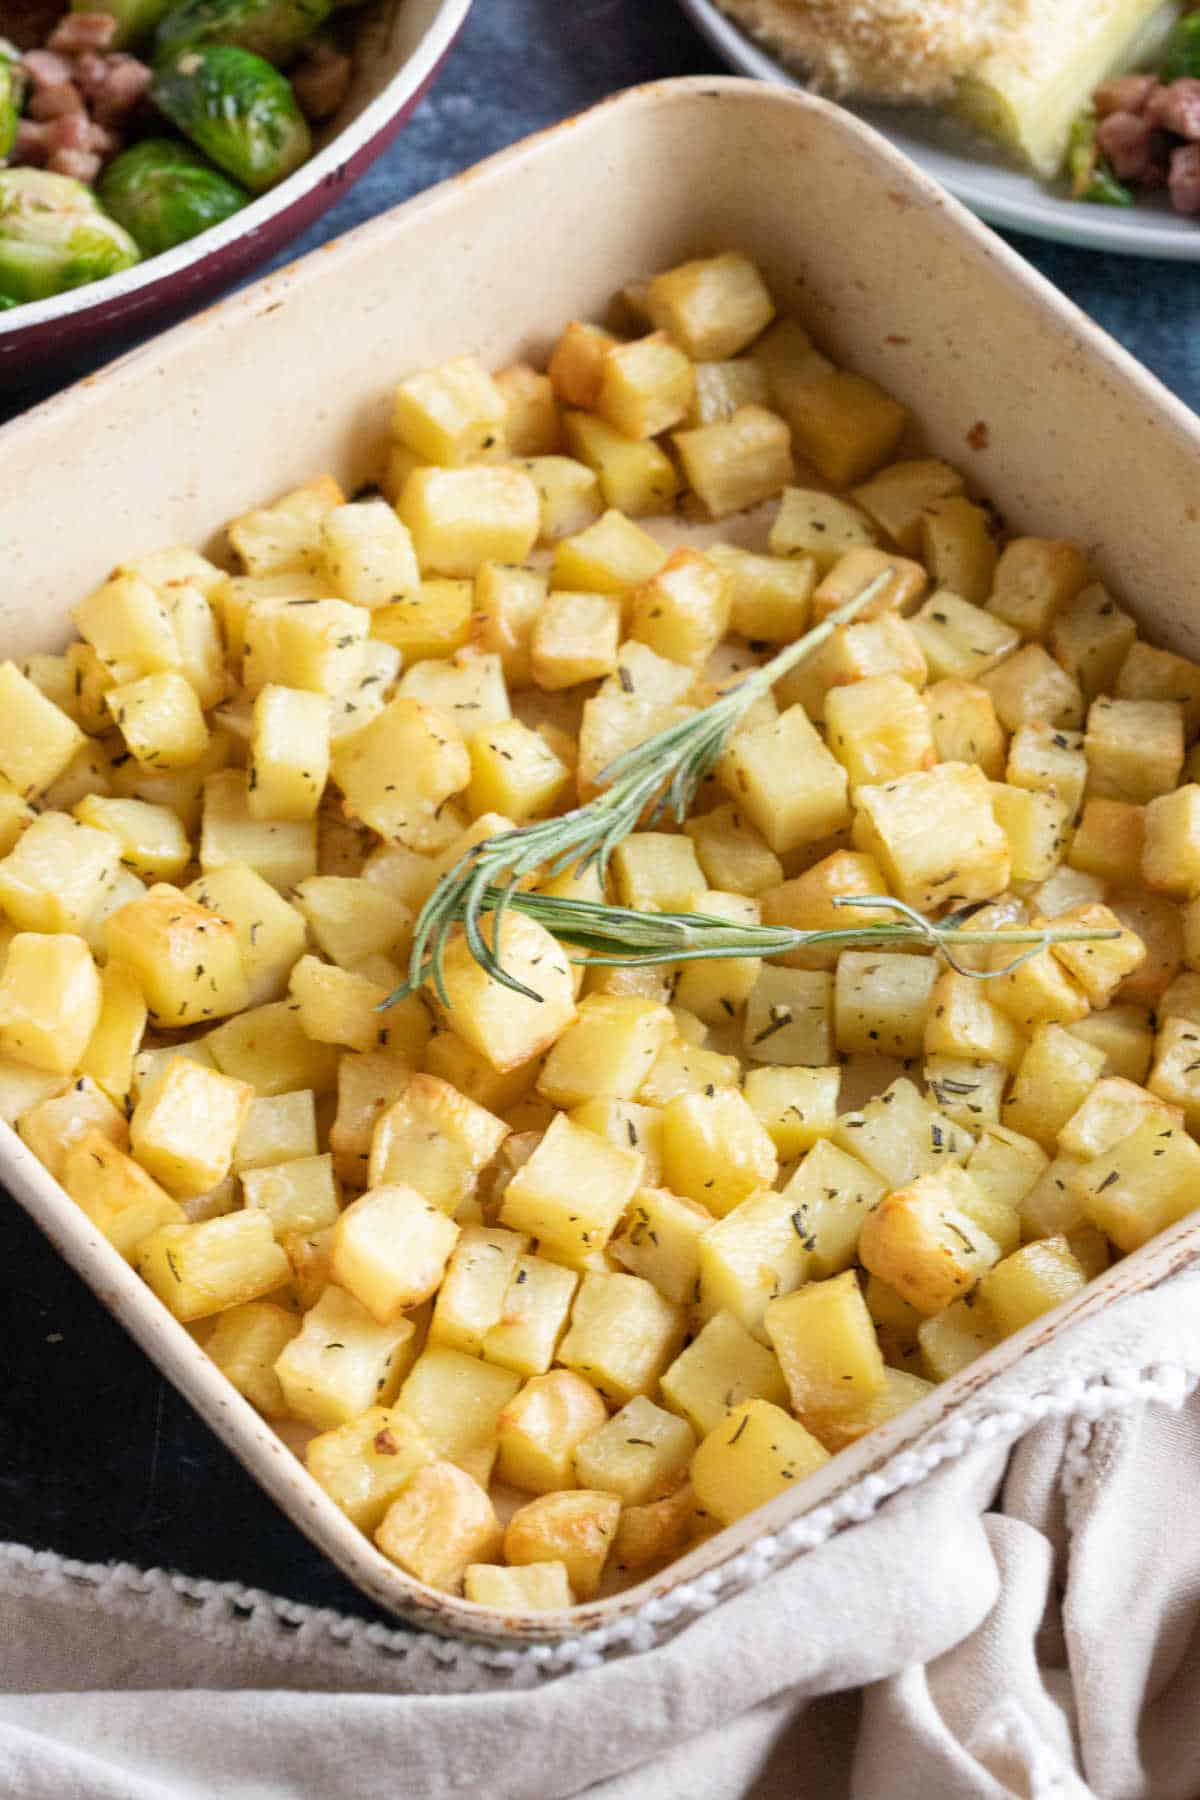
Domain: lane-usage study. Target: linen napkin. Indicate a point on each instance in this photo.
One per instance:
(1010, 1607)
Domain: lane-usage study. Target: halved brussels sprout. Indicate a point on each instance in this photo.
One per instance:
(136, 19)
(236, 108)
(12, 93)
(53, 236)
(271, 28)
(164, 192)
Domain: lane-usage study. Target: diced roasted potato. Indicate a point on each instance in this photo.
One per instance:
(881, 1000)
(441, 1522)
(898, 497)
(119, 1198)
(1091, 637)
(735, 463)
(456, 1401)
(755, 1453)
(1134, 748)
(715, 1150)
(639, 1454)
(1030, 688)
(623, 1334)
(720, 1368)
(540, 1428)
(923, 1242)
(434, 1139)
(186, 1124)
(390, 1249)
(611, 556)
(197, 1270)
(400, 769)
(538, 1587)
(364, 1464)
(770, 596)
(820, 526)
(713, 307)
(1030, 1282)
(575, 1528)
(50, 999)
(901, 1135)
(1143, 1183)
(935, 835)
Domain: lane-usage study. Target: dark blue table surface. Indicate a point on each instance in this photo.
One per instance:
(101, 1460)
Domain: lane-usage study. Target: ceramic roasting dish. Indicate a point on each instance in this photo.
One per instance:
(399, 47)
(295, 375)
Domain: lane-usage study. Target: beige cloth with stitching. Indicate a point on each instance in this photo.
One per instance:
(1025, 1621)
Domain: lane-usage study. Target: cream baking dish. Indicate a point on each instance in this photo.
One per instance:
(1058, 426)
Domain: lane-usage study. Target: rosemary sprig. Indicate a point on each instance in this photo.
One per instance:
(662, 774)
(621, 935)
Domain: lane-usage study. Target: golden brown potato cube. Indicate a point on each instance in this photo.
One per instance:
(785, 779)
(154, 844)
(631, 473)
(879, 728)
(342, 1361)
(435, 621)
(390, 1250)
(575, 638)
(1036, 990)
(958, 548)
(451, 414)
(683, 611)
(900, 1135)
(118, 1196)
(1102, 965)
(660, 1241)
(881, 1001)
(539, 1587)
(962, 1021)
(1067, 887)
(1036, 826)
(1091, 637)
(935, 836)
(540, 1428)
(447, 1057)
(245, 1342)
(657, 871)
(645, 386)
(368, 554)
(721, 1367)
(1151, 674)
(1125, 1036)
(1029, 688)
(507, 1028)
(533, 1316)
(955, 1337)
(754, 1253)
(337, 1006)
(1171, 852)
(285, 536)
(770, 596)
(186, 1125)
(737, 463)
(269, 1048)
(400, 769)
(282, 851)
(289, 754)
(462, 518)
(855, 570)
(810, 523)
(967, 1091)
(845, 425)
(1006, 1165)
(441, 1521)
(160, 719)
(456, 1402)
(1109, 1112)
(960, 641)
(898, 497)
(828, 1352)
(37, 739)
(900, 1391)
(789, 1018)
(506, 602)
(572, 1191)
(640, 1454)
(299, 1197)
(197, 1270)
(714, 988)
(1176, 1066)
(514, 771)
(54, 1125)
(1158, 923)
(351, 918)
(1109, 841)
(796, 1105)
(1134, 748)
(576, 366)
(755, 1453)
(607, 1050)
(1031, 1282)
(623, 1335)
(610, 557)
(965, 727)
(712, 307)
(656, 1532)
(808, 902)
(1143, 1183)
(924, 1243)
(530, 410)
(434, 1139)
(724, 386)
(715, 1150)
(1035, 578)
(1047, 760)
(471, 1297)
(733, 856)
(1053, 1078)
(366, 1463)
(50, 999)
(789, 359)
(129, 628)
(627, 1124)
(575, 1528)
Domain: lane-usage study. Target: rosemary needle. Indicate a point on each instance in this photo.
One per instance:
(663, 773)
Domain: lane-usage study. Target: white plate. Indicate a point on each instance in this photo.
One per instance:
(999, 193)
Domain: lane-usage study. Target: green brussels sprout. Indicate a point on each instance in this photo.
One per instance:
(164, 192)
(1091, 177)
(271, 28)
(1182, 53)
(237, 109)
(136, 19)
(53, 236)
(12, 95)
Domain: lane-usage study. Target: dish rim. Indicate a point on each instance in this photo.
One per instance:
(168, 1343)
